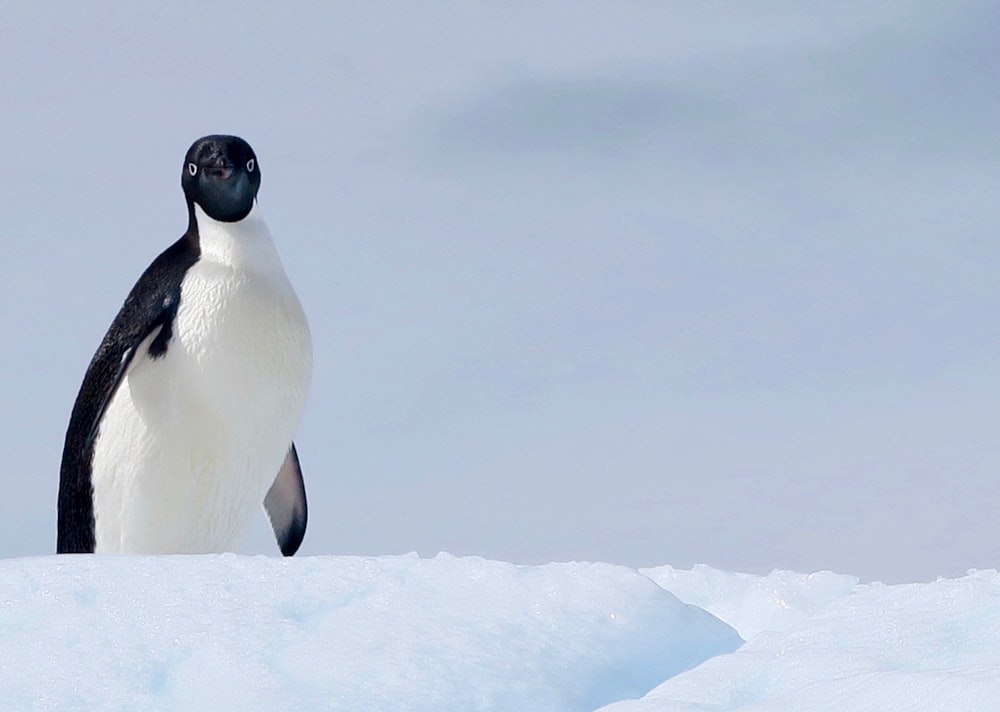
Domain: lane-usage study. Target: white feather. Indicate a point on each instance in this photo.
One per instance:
(192, 441)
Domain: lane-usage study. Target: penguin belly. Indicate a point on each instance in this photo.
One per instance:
(192, 440)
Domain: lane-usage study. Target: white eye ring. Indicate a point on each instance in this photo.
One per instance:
(192, 169)
(250, 165)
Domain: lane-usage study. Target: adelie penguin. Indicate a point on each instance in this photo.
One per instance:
(183, 425)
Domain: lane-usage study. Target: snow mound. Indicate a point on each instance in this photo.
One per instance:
(753, 604)
(340, 633)
(825, 644)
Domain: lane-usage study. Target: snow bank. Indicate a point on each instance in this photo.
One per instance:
(403, 633)
(821, 642)
(752, 604)
(340, 633)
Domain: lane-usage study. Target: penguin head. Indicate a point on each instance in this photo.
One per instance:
(222, 176)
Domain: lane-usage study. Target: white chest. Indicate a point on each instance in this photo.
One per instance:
(192, 440)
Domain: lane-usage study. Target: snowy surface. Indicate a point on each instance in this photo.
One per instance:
(403, 633)
(343, 633)
(823, 642)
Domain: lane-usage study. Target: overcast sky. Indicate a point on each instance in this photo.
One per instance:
(646, 283)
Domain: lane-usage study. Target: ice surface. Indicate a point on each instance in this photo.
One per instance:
(339, 633)
(455, 634)
(752, 604)
(821, 643)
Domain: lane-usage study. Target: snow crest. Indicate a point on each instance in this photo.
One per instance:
(825, 643)
(338, 633)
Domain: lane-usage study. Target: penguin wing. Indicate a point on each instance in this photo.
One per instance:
(129, 360)
(142, 329)
(285, 504)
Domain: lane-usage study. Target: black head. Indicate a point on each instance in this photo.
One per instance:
(222, 176)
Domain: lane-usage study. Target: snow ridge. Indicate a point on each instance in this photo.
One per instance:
(338, 633)
(408, 634)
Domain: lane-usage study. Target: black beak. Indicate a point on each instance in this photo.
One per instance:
(221, 168)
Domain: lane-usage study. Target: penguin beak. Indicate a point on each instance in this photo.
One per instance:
(222, 168)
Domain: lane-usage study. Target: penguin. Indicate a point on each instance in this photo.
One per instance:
(183, 425)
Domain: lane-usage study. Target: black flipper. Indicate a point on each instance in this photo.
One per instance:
(129, 361)
(144, 326)
(285, 504)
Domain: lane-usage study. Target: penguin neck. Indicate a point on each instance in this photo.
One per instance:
(245, 244)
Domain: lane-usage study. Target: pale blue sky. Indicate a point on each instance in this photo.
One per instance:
(686, 282)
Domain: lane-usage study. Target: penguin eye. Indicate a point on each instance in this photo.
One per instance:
(250, 165)
(192, 169)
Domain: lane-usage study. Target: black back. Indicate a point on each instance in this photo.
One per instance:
(151, 304)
